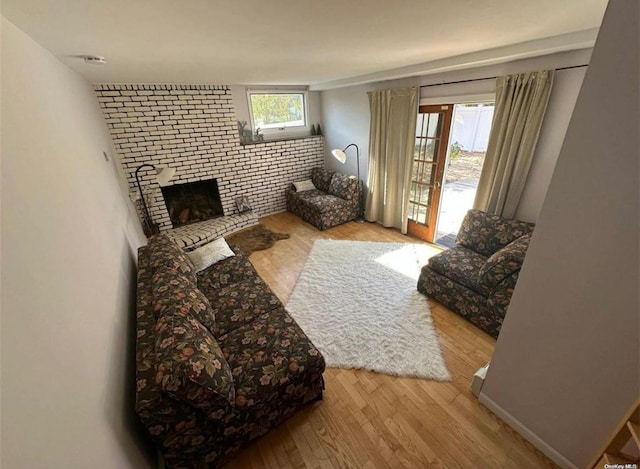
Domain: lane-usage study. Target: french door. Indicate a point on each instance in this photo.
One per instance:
(429, 158)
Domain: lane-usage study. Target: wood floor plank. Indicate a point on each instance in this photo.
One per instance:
(372, 420)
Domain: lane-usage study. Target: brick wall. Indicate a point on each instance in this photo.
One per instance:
(193, 128)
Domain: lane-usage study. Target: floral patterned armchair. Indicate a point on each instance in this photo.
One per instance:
(477, 276)
(336, 199)
(219, 361)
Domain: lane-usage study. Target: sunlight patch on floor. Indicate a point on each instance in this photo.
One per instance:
(409, 259)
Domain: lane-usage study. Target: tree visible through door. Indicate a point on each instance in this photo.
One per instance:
(430, 154)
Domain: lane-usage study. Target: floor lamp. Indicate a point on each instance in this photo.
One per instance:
(341, 156)
(163, 176)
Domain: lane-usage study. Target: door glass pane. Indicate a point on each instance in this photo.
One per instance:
(420, 125)
(427, 213)
(423, 213)
(430, 149)
(425, 195)
(419, 150)
(417, 171)
(413, 212)
(425, 176)
(434, 120)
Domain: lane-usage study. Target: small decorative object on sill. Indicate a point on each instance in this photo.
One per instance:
(242, 131)
(242, 204)
(318, 130)
(258, 137)
(313, 130)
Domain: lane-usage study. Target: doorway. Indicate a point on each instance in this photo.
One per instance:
(470, 129)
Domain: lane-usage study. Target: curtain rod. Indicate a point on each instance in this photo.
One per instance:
(493, 78)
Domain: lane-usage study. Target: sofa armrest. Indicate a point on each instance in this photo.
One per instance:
(190, 365)
(345, 187)
(500, 296)
(321, 178)
(485, 233)
(503, 263)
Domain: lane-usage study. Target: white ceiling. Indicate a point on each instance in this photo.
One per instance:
(291, 41)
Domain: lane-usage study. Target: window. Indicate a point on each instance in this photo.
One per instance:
(278, 111)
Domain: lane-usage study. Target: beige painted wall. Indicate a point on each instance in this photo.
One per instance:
(69, 239)
(345, 114)
(567, 364)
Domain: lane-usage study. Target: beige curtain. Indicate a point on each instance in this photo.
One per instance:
(392, 134)
(521, 101)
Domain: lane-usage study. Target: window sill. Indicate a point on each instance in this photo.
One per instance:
(276, 140)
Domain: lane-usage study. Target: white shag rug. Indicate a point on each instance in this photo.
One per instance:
(357, 301)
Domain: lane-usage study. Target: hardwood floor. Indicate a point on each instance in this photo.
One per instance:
(372, 420)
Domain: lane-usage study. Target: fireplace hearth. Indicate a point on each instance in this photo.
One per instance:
(192, 202)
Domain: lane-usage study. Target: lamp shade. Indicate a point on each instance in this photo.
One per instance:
(339, 155)
(165, 174)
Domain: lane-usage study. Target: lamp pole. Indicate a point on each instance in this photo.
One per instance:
(144, 203)
(360, 201)
(357, 156)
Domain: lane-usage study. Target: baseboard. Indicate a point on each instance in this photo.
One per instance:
(527, 434)
(271, 213)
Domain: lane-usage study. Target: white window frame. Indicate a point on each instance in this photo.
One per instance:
(283, 131)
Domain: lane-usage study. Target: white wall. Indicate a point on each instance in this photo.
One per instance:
(567, 364)
(345, 114)
(69, 240)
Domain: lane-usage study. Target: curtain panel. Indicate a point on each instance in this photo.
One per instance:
(394, 114)
(521, 102)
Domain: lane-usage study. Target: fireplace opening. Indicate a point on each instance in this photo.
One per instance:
(192, 202)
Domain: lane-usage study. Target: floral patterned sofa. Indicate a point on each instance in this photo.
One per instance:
(219, 361)
(337, 199)
(477, 276)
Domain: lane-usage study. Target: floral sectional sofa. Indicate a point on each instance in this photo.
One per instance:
(219, 361)
(336, 199)
(477, 276)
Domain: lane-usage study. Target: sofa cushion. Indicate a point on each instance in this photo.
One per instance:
(469, 304)
(343, 186)
(321, 202)
(209, 254)
(270, 352)
(236, 293)
(178, 294)
(321, 178)
(226, 272)
(240, 303)
(306, 185)
(503, 263)
(485, 233)
(190, 365)
(164, 253)
(459, 264)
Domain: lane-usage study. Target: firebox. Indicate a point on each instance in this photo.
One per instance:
(192, 202)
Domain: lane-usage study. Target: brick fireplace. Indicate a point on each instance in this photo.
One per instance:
(193, 129)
